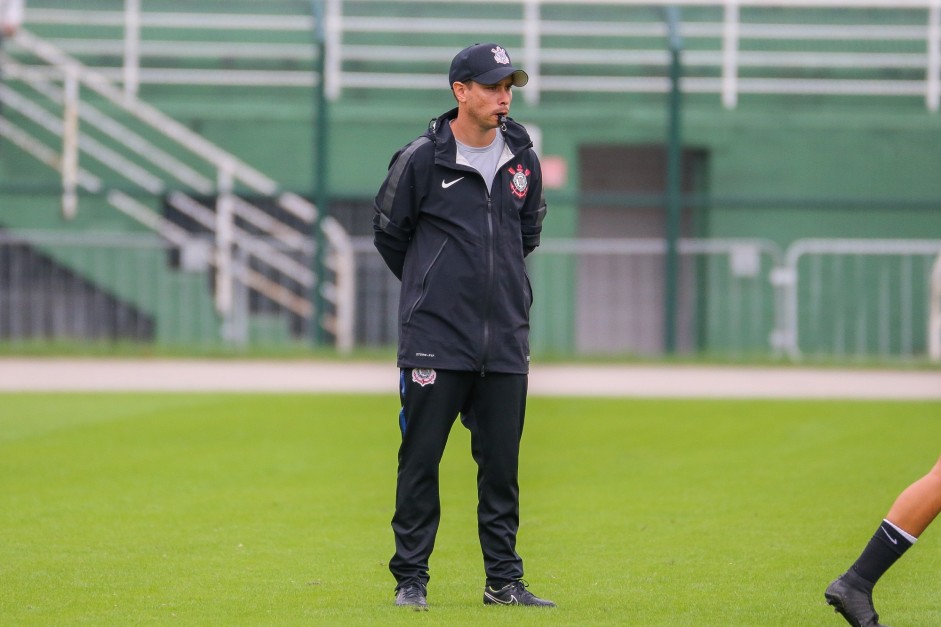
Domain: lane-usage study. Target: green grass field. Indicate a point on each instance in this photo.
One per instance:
(202, 509)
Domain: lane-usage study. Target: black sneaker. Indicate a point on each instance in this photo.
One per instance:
(514, 593)
(412, 595)
(851, 596)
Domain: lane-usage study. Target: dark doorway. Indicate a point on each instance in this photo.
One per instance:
(621, 296)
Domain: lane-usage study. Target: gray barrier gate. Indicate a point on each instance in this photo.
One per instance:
(857, 298)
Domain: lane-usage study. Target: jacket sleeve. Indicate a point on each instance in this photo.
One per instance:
(396, 208)
(534, 211)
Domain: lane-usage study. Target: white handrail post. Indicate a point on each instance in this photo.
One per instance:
(933, 74)
(784, 280)
(531, 45)
(70, 144)
(224, 238)
(934, 316)
(131, 47)
(343, 263)
(730, 36)
(333, 44)
(235, 330)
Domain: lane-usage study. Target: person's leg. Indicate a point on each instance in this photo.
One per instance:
(495, 417)
(918, 504)
(430, 404)
(911, 513)
(909, 516)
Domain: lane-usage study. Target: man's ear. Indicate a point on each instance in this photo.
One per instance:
(460, 91)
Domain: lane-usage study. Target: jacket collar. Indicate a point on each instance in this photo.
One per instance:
(439, 131)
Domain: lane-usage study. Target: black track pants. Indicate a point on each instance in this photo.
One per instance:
(492, 408)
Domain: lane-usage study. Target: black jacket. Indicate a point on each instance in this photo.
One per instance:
(457, 243)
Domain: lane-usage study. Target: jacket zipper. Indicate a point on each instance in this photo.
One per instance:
(490, 253)
(489, 286)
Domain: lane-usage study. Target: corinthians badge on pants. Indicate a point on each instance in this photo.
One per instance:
(424, 376)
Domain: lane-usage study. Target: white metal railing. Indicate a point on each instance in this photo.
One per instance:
(819, 298)
(729, 290)
(130, 46)
(560, 55)
(934, 320)
(884, 322)
(229, 170)
(68, 285)
(724, 302)
(615, 289)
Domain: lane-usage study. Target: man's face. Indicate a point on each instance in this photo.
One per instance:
(485, 104)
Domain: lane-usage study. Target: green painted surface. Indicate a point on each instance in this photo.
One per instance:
(779, 167)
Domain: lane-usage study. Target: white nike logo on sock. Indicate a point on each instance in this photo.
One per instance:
(891, 539)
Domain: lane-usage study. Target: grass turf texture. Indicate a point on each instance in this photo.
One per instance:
(204, 509)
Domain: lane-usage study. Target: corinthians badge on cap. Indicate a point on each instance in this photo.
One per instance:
(500, 56)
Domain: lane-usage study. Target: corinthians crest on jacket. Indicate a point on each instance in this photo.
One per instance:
(519, 183)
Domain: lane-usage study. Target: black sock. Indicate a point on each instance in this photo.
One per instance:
(885, 547)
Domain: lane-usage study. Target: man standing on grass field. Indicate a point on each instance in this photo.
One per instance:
(460, 208)
(913, 510)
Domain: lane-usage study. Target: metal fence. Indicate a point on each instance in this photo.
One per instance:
(855, 298)
(121, 287)
(735, 47)
(214, 190)
(741, 298)
(608, 296)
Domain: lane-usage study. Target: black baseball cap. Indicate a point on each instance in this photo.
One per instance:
(487, 64)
